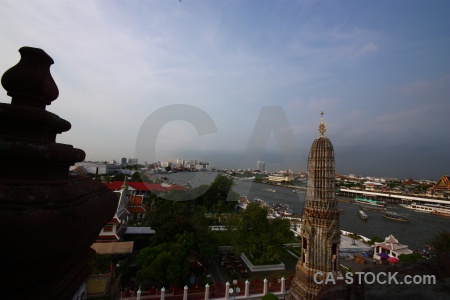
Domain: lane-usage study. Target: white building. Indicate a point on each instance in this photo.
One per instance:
(132, 161)
(96, 168)
(261, 166)
(390, 248)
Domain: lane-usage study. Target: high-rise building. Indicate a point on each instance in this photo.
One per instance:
(320, 232)
(261, 166)
(132, 161)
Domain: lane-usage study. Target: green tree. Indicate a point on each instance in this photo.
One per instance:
(354, 236)
(260, 238)
(269, 296)
(410, 257)
(166, 262)
(219, 190)
(375, 239)
(441, 242)
(136, 177)
(100, 263)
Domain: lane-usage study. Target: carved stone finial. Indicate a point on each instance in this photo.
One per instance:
(63, 213)
(322, 127)
(30, 82)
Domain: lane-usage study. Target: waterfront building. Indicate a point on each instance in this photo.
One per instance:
(443, 186)
(320, 232)
(390, 248)
(281, 178)
(97, 168)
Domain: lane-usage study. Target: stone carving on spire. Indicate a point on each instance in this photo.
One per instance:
(322, 127)
(320, 232)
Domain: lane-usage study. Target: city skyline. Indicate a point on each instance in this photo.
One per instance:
(258, 73)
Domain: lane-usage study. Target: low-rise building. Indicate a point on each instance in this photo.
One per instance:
(390, 248)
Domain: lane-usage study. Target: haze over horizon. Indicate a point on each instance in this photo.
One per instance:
(234, 82)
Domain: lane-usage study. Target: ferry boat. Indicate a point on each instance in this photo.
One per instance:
(395, 216)
(369, 202)
(371, 207)
(344, 200)
(434, 209)
(419, 207)
(442, 212)
(362, 214)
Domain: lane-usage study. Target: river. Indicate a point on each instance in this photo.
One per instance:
(416, 233)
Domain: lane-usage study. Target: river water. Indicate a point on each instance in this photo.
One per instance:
(416, 233)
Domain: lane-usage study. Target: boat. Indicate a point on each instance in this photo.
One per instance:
(395, 216)
(371, 207)
(270, 190)
(427, 208)
(362, 214)
(344, 200)
(259, 201)
(370, 202)
(442, 212)
(418, 207)
(279, 209)
(287, 212)
(435, 209)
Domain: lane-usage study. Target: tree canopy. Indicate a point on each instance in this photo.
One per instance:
(441, 242)
(166, 262)
(260, 238)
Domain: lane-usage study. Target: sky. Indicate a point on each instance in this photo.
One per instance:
(234, 82)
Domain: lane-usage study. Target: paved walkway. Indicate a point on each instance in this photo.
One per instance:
(346, 243)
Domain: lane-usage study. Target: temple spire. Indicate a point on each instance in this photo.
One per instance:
(125, 185)
(322, 127)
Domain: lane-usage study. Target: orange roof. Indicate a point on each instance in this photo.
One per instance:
(136, 209)
(136, 199)
(443, 183)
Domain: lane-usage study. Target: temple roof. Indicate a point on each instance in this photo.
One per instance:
(391, 243)
(142, 186)
(443, 183)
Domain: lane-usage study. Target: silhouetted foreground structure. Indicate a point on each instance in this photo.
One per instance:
(48, 219)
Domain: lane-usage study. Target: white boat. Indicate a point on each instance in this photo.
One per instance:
(434, 209)
(419, 207)
(362, 214)
(442, 212)
(287, 212)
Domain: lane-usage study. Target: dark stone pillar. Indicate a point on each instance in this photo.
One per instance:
(48, 219)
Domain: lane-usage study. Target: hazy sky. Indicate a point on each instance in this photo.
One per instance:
(233, 82)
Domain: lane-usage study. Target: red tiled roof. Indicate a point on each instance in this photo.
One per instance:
(136, 209)
(135, 199)
(142, 186)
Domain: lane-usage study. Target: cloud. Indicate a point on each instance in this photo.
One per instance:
(322, 104)
(367, 49)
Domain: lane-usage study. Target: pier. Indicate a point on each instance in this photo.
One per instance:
(391, 198)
